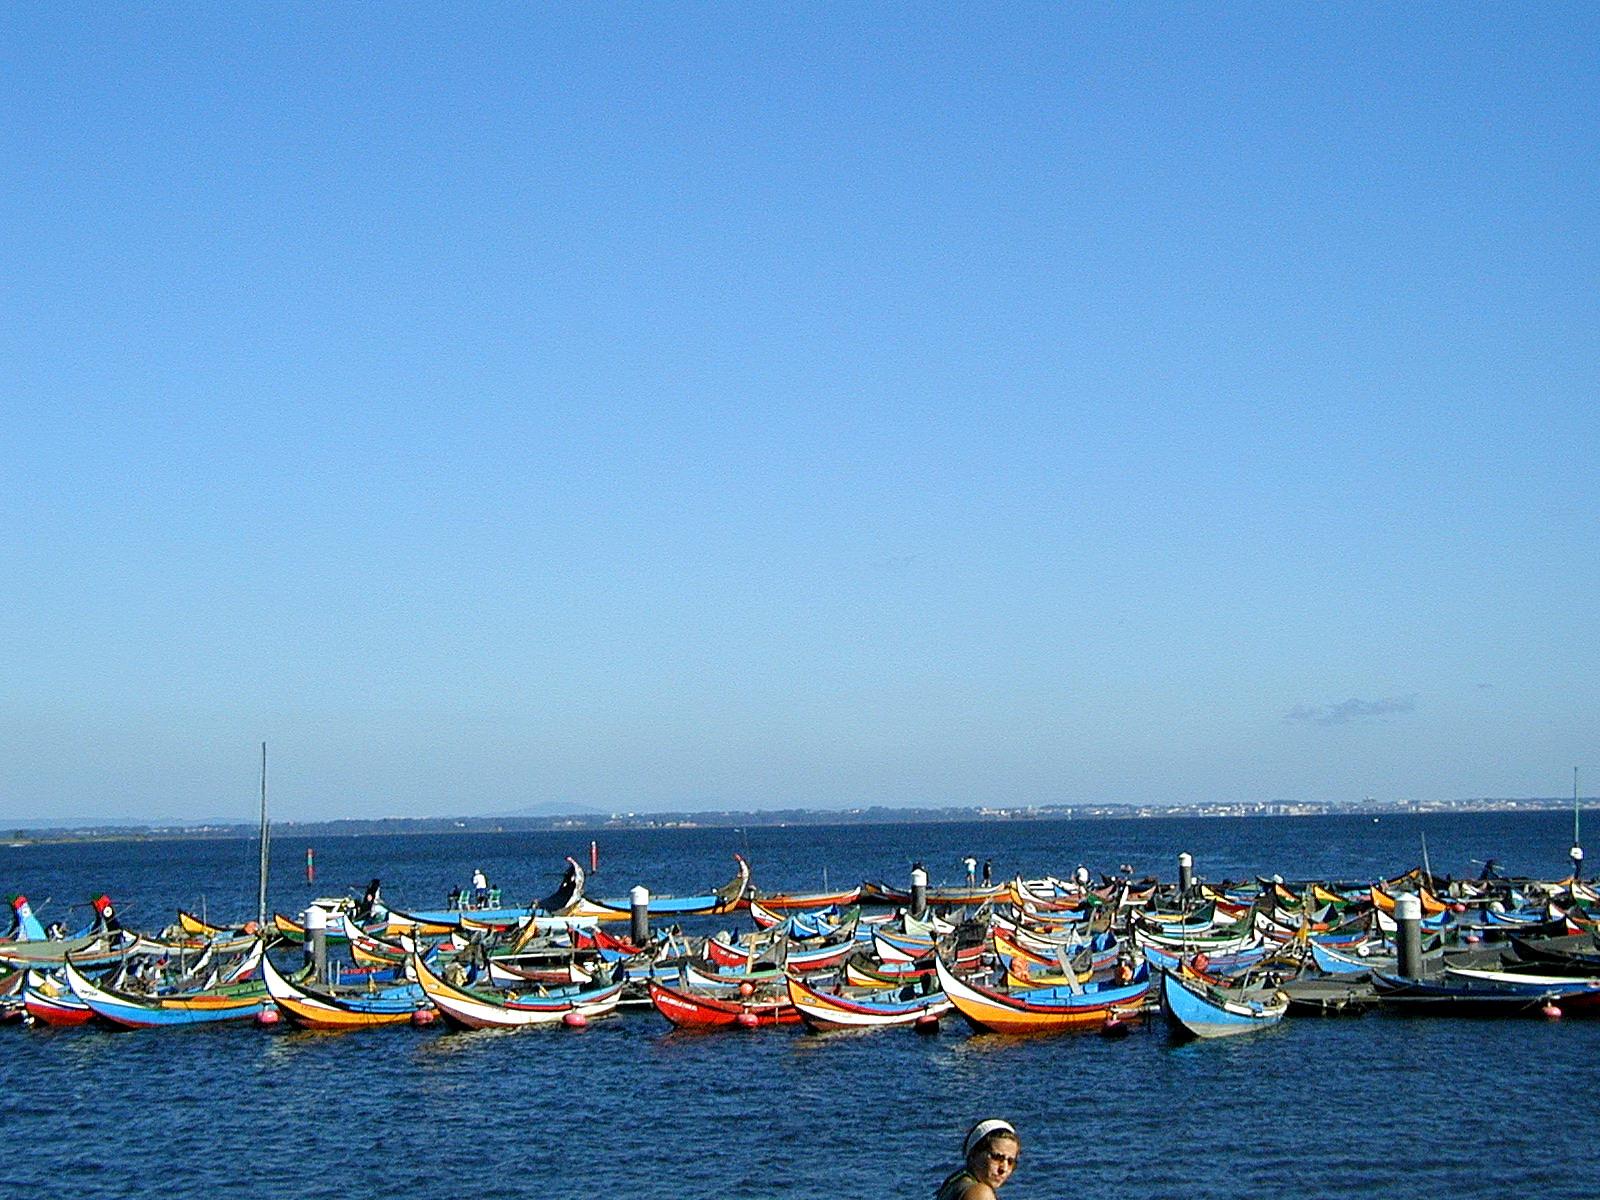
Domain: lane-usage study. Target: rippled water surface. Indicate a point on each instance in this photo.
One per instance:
(1364, 1107)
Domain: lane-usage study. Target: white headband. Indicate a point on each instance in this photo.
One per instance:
(982, 1130)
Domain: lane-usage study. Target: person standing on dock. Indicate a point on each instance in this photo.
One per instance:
(972, 871)
(480, 887)
(988, 872)
(991, 1148)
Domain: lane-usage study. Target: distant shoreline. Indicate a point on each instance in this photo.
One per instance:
(777, 818)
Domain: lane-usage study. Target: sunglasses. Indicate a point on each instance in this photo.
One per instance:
(1010, 1160)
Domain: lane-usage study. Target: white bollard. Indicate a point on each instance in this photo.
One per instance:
(639, 903)
(317, 942)
(1408, 938)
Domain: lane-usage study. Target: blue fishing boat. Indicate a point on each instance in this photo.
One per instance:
(130, 1010)
(1195, 1009)
(730, 897)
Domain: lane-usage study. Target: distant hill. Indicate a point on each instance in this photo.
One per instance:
(552, 817)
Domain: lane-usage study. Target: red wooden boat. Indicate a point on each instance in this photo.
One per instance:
(598, 939)
(692, 1010)
(52, 1003)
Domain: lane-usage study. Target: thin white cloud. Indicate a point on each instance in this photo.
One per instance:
(1346, 711)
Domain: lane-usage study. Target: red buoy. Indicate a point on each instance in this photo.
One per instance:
(1552, 1011)
(268, 1017)
(927, 1023)
(1115, 1027)
(747, 990)
(749, 1020)
(424, 1017)
(575, 1020)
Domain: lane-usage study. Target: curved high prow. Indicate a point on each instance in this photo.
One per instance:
(569, 894)
(731, 894)
(25, 926)
(105, 915)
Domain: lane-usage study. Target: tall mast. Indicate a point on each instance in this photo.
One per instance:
(261, 894)
(1577, 848)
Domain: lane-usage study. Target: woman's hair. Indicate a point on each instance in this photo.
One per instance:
(986, 1131)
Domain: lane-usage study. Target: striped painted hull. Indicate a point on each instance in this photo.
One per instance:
(791, 901)
(310, 1009)
(1039, 1011)
(65, 1009)
(155, 1012)
(829, 1010)
(466, 1009)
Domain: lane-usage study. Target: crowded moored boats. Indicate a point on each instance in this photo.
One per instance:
(1020, 957)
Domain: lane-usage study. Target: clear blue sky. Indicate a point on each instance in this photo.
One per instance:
(697, 406)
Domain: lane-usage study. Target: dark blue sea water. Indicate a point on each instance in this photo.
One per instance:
(1364, 1107)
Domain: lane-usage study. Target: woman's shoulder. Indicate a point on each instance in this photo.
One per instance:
(963, 1186)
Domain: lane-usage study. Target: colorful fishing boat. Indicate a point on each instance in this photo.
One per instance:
(694, 1010)
(50, 1001)
(878, 892)
(198, 927)
(1043, 1010)
(791, 901)
(865, 1008)
(806, 925)
(730, 897)
(470, 1008)
(132, 1010)
(330, 1007)
(1194, 1008)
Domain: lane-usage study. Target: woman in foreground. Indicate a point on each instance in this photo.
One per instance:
(990, 1149)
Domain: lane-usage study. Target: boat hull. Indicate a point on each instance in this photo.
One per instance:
(1194, 1010)
(691, 1011)
(830, 1010)
(1046, 1011)
(463, 1008)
